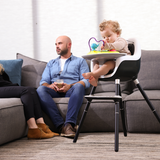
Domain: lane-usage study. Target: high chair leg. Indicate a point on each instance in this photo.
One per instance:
(147, 99)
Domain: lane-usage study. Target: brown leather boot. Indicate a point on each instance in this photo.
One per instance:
(37, 133)
(46, 129)
(68, 131)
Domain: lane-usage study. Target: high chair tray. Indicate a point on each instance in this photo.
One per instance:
(103, 55)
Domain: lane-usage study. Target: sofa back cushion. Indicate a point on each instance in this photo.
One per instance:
(13, 69)
(149, 75)
(32, 70)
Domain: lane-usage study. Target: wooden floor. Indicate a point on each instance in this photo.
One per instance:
(90, 146)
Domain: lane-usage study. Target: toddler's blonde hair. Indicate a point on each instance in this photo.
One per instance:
(113, 25)
(1, 69)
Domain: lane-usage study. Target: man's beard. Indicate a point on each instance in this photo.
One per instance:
(63, 52)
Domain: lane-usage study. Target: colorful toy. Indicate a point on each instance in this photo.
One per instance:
(93, 47)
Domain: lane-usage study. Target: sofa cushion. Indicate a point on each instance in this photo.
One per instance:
(109, 86)
(32, 70)
(149, 72)
(13, 69)
(12, 120)
(140, 117)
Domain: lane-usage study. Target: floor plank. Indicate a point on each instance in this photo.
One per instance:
(90, 146)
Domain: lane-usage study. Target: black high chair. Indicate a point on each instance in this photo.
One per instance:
(126, 69)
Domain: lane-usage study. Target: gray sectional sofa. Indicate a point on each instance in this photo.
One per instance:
(100, 118)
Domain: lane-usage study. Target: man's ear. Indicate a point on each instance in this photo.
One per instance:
(69, 44)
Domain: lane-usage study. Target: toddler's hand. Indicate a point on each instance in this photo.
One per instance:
(103, 45)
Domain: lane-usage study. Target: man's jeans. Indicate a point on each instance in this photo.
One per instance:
(76, 94)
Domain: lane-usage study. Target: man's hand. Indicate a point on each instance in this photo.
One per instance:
(65, 88)
(52, 86)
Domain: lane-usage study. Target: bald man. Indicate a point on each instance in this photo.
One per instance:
(70, 69)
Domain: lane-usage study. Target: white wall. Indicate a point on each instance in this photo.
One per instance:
(16, 28)
(30, 27)
(138, 18)
(75, 18)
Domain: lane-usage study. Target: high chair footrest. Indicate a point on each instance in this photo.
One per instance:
(90, 97)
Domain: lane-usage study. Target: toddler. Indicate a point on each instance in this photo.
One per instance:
(110, 31)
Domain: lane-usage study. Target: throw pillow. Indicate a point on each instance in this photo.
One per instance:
(13, 69)
(32, 70)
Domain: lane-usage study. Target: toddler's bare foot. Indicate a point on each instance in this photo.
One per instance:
(93, 81)
(87, 75)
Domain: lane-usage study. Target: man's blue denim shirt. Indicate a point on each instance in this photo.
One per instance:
(72, 72)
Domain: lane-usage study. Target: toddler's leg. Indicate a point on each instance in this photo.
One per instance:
(98, 71)
(93, 81)
(95, 67)
(104, 69)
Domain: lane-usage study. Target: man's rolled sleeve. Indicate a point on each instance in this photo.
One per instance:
(84, 69)
(46, 75)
